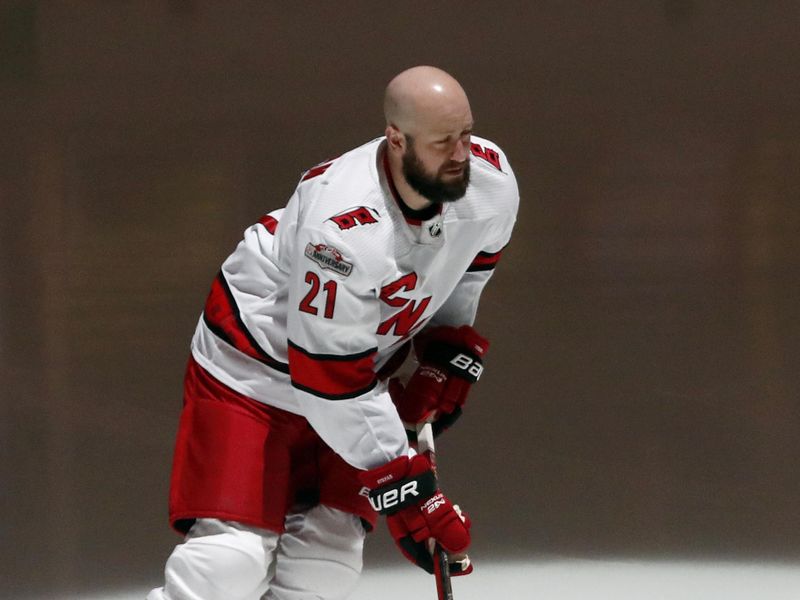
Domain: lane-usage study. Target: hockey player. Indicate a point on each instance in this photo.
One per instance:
(291, 439)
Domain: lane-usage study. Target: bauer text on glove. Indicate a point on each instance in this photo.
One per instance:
(405, 491)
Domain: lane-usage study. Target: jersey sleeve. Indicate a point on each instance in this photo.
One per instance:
(461, 307)
(240, 307)
(333, 314)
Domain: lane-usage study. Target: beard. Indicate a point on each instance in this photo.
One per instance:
(433, 187)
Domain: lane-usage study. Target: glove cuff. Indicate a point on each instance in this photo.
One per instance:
(465, 338)
(408, 481)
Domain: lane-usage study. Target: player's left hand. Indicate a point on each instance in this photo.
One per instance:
(405, 491)
(450, 362)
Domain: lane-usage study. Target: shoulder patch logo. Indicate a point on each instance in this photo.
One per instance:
(329, 258)
(317, 170)
(488, 154)
(352, 217)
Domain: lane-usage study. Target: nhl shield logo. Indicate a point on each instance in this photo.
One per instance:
(435, 230)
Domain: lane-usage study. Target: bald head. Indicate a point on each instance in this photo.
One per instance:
(428, 129)
(424, 99)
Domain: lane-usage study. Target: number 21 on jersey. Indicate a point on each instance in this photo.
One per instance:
(329, 291)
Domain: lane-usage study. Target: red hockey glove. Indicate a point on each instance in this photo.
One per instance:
(405, 491)
(450, 362)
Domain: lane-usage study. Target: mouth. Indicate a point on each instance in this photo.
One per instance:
(454, 170)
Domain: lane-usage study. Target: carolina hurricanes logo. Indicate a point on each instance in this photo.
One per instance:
(353, 217)
(403, 321)
(489, 155)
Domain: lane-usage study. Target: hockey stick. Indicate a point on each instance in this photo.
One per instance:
(441, 567)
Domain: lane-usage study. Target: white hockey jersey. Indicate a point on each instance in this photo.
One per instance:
(318, 295)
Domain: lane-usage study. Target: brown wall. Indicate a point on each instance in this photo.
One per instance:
(641, 397)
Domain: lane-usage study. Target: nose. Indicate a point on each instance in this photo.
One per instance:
(461, 151)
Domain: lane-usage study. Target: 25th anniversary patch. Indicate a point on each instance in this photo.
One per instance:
(329, 258)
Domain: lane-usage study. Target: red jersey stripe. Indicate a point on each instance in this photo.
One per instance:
(221, 315)
(485, 261)
(270, 223)
(335, 377)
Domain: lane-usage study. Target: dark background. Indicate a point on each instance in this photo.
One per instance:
(641, 394)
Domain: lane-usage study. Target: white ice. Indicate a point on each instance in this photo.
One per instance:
(580, 580)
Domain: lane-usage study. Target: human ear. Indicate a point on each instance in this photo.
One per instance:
(395, 137)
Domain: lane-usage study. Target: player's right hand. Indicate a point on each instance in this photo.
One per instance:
(405, 491)
(450, 362)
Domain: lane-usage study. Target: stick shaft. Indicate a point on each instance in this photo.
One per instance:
(441, 568)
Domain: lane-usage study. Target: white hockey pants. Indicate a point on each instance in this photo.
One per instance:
(318, 557)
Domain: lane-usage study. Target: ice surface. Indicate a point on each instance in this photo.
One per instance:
(580, 580)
